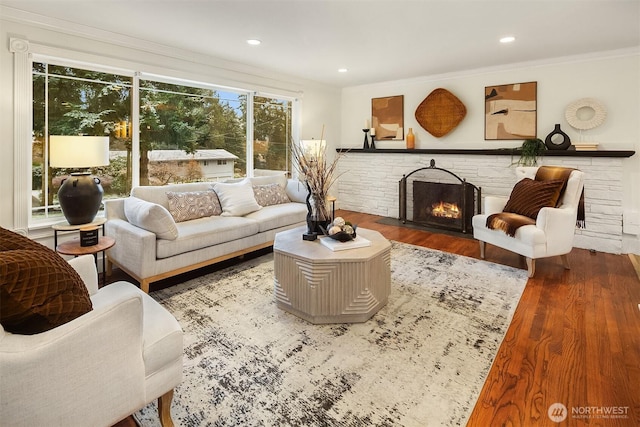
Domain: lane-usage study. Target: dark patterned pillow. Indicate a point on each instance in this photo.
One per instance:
(270, 194)
(188, 205)
(39, 290)
(529, 196)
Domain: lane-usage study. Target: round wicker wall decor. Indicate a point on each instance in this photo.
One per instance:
(598, 117)
(440, 112)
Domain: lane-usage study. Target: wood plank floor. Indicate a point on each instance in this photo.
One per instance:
(574, 338)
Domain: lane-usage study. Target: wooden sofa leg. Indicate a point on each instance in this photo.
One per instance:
(482, 245)
(531, 266)
(565, 261)
(144, 285)
(164, 409)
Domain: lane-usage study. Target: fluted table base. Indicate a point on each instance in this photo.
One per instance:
(322, 286)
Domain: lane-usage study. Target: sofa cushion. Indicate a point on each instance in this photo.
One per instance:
(158, 193)
(279, 179)
(529, 196)
(270, 194)
(237, 198)
(276, 216)
(39, 290)
(205, 232)
(151, 217)
(187, 205)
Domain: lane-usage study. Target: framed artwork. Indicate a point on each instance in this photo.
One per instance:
(387, 117)
(510, 111)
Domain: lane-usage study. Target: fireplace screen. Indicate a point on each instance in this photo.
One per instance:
(447, 202)
(442, 205)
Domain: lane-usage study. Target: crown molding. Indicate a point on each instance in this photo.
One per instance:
(272, 79)
(588, 57)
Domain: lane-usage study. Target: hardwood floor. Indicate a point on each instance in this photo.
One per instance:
(574, 338)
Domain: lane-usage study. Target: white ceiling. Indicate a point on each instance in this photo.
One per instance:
(375, 40)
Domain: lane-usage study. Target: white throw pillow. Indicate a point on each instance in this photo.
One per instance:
(237, 198)
(151, 217)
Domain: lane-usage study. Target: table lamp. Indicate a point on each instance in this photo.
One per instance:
(80, 194)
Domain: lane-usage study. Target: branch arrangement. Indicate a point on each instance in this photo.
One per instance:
(317, 173)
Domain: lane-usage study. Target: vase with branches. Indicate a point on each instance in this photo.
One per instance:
(318, 174)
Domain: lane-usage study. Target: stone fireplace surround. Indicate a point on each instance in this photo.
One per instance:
(369, 183)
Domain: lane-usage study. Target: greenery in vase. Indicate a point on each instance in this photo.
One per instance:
(530, 150)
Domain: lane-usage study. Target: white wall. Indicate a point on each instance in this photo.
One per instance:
(318, 103)
(611, 77)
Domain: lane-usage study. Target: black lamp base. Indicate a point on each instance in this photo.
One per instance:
(80, 196)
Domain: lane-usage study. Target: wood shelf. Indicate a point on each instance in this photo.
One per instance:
(491, 152)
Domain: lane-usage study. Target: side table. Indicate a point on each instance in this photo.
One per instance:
(65, 226)
(72, 247)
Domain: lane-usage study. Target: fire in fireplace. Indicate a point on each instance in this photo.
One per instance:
(439, 199)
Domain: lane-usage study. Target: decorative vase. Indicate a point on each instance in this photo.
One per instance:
(564, 144)
(411, 140)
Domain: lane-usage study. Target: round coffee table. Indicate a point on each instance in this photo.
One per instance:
(324, 286)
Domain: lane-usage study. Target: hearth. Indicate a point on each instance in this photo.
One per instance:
(439, 198)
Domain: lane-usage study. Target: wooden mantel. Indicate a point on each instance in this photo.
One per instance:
(490, 152)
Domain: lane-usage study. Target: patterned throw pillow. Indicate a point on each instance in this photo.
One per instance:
(529, 196)
(188, 205)
(39, 290)
(270, 194)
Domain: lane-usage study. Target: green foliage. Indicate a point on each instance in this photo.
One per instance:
(530, 150)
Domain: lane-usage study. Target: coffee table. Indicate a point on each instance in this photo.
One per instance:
(322, 286)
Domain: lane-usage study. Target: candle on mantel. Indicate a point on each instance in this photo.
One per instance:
(366, 124)
(373, 131)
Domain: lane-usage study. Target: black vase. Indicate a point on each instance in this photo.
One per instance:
(80, 196)
(563, 145)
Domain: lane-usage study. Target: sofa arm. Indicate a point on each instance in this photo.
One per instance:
(114, 209)
(494, 204)
(85, 266)
(135, 248)
(89, 371)
(297, 191)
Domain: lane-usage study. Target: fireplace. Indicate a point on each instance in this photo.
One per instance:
(439, 199)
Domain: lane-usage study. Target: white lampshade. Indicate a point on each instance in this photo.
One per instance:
(78, 151)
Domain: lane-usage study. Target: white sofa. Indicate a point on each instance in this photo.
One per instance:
(96, 369)
(149, 256)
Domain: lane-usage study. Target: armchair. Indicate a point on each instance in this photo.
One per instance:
(553, 231)
(96, 369)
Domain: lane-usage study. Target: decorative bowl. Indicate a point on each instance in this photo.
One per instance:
(343, 236)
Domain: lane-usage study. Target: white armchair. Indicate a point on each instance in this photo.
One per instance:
(554, 228)
(97, 369)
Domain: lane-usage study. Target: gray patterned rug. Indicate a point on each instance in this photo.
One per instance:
(420, 361)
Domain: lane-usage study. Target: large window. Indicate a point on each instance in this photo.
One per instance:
(271, 133)
(73, 101)
(191, 134)
(187, 131)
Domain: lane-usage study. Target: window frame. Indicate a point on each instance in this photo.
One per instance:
(26, 53)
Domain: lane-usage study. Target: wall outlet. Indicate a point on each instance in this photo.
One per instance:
(631, 222)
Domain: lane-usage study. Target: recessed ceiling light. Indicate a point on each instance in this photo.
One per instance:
(342, 70)
(507, 39)
(253, 42)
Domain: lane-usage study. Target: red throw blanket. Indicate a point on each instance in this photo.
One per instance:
(510, 220)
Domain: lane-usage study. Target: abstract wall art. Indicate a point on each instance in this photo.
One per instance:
(510, 111)
(387, 116)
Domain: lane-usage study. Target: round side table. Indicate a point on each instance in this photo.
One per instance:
(72, 247)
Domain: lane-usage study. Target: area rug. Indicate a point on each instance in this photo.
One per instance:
(420, 361)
